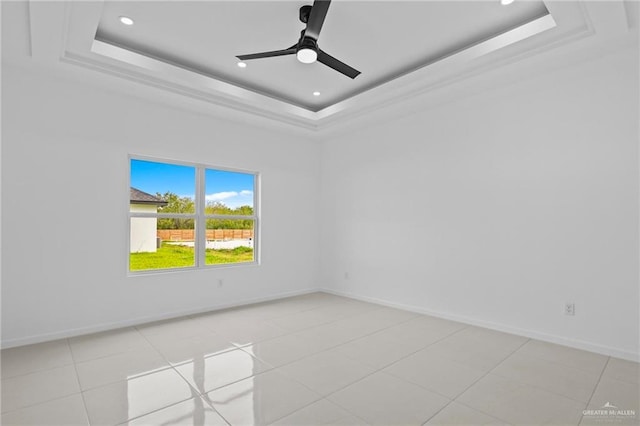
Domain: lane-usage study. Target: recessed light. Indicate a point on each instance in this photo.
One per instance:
(316, 93)
(126, 20)
(242, 64)
(506, 2)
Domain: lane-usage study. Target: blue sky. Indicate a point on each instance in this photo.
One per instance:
(230, 188)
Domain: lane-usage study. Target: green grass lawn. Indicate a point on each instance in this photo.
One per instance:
(175, 256)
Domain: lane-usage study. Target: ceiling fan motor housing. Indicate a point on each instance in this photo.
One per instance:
(305, 11)
(307, 43)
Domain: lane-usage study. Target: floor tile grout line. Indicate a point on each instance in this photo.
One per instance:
(482, 377)
(539, 388)
(595, 387)
(75, 368)
(330, 321)
(164, 368)
(350, 300)
(224, 336)
(280, 316)
(369, 375)
(315, 401)
(275, 368)
(451, 401)
(204, 392)
(178, 364)
(157, 352)
(146, 338)
(271, 370)
(455, 399)
(379, 330)
(146, 373)
(424, 347)
(243, 347)
(536, 386)
(203, 356)
(206, 400)
(324, 398)
(358, 338)
(36, 371)
(376, 370)
(2, 378)
(387, 328)
(435, 391)
(559, 363)
(119, 352)
(380, 370)
(154, 411)
(57, 397)
(172, 367)
(505, 378)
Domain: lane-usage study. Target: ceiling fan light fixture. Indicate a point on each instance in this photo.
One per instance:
(307, 52)
(316, 93)
(306, 55)
(242, 64)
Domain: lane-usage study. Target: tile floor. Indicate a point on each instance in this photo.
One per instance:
(316, 359)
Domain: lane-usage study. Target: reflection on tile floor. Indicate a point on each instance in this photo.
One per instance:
(315, 359)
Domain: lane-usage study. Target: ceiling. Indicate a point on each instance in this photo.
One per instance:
(383, 40)
(404, 49)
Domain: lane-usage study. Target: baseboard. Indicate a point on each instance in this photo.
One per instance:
(560, 340)
(47, 337)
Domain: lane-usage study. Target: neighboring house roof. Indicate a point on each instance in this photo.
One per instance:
(140, 197)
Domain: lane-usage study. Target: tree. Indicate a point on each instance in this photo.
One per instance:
(176, 204)
(218, 208)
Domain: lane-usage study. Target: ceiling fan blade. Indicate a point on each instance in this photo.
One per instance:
(337, 65)
(316, 18)
(289, 51)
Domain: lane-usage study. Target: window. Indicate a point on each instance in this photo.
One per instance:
(190, 216)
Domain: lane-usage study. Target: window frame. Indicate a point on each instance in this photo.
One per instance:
(199, 217)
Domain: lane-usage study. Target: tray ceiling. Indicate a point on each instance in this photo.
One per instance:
(384, 40)
(406, 50)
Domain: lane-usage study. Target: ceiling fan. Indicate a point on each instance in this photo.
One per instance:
(306, 49)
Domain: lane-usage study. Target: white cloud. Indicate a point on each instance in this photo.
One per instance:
(231, 199)
(219, 196)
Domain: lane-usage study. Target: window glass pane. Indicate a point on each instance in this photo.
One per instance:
(229, 241)
(228, 193)
(154, 248)
(170, 188)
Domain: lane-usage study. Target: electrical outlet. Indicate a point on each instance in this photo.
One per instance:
(220, 282)
(570, 309)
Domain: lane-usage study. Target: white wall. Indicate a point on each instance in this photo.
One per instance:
(143, 231)
(65, 147)
(495, 209)
(499, 208)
